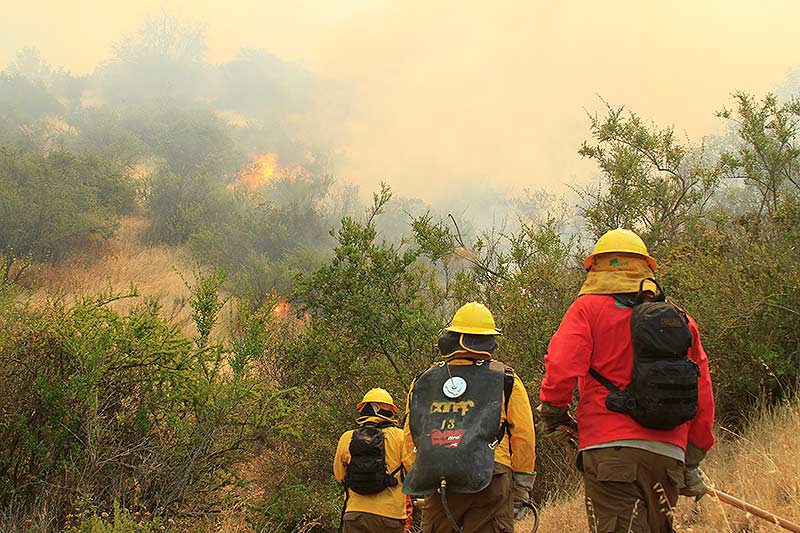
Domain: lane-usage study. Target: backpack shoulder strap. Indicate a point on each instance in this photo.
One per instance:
(400, 469)
(680, 309)
(626, 299)
(605, 382)
(508, 388)
(508, 385)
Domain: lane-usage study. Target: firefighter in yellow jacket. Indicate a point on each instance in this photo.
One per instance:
(470, 424)
(370, 461)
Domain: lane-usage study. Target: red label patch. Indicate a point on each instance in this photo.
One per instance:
(449, 438)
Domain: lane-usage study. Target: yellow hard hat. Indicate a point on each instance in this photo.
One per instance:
(379, 396)
(473, 318)
(620, 240)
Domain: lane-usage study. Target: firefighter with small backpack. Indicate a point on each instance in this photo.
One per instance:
(370, 462)
(470, 424)
(646, 408)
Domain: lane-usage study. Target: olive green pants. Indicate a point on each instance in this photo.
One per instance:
(488, 511)
(629, 490)
(358, 522)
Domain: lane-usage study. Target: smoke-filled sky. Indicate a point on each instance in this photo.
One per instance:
(452, 92)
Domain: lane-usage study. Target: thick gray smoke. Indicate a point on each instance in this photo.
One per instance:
(159, 103)
(254, 102)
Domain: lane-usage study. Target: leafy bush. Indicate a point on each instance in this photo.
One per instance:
(651, 183)
(743, 290)
(23, 100)
(181, 206)
(367, 321)
(264, 237)
(190, 140)
(105, 133)
(101, 407)
(51, 205)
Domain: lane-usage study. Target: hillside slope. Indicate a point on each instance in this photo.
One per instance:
(117, 264)
(760, 465)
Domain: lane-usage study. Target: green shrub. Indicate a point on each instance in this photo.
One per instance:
(118, 521)
(102, 407)
(51, 205)
(23, 100)
(370, 322)
(181, 206)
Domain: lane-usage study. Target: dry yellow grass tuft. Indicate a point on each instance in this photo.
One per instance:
(115, 265)
(760, 466)
(563, 514)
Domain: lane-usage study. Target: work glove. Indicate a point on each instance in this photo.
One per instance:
(523, 485)
(557, 423)
(694, 484)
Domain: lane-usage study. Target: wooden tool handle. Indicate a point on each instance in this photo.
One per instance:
(753, 510)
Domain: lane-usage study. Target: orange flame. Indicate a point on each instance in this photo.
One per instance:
(264, 169)
(258, 173)
(281, 309)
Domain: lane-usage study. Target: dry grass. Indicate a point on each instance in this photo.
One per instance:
(566, 513)
(117, 264)
(760, 466)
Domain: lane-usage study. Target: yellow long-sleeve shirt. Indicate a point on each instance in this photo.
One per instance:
(521, 456)
(390, 502)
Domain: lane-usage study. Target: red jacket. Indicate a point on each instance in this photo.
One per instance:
(595, 332)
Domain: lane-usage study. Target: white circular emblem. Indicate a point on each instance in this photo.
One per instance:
(454, 387)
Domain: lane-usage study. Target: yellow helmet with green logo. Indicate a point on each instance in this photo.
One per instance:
(620, 240)
(473, 318)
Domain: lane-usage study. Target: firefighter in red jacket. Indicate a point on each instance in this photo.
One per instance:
(632, 474)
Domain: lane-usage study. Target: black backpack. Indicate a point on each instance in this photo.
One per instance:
(455, 437)
(366, 472)
(662, 393)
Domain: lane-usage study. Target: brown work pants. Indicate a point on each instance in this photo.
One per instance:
(488, 511)
(630, 490)
(358, 522)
